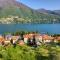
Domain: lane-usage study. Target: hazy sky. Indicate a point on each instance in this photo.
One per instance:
(46, 4)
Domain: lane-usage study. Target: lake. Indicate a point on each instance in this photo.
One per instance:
(42, 28)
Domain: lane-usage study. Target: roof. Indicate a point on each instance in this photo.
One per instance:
(58, 38)
(47, 37)
(38, 35)
(28, 35)
(21, 42)
(1, 38)
(8, 36)
(15, 37)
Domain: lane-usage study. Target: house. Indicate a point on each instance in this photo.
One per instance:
(8, 37)
(26, 37)
(47, 39)
(31, 34)
(38, 39)
(58, 39)
(15, 38)
(1, 40)
(6, 42)
(21, 42)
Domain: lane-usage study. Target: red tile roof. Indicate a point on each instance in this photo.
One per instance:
(47, 37)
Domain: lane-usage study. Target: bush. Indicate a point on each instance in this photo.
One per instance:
(29, 53)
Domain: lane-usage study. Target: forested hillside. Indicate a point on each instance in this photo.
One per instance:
(10, 8)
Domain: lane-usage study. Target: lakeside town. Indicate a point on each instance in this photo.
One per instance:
(29, 30)
(29, 46)
(32, 39)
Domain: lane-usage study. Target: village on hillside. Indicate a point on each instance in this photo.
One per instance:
(31, 39)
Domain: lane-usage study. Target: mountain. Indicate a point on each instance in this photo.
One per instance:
(55, 12)
(43, 11)
(10, 9)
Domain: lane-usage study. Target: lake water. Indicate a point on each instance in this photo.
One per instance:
(43, 28)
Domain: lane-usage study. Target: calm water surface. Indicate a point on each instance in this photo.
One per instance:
(43, 28)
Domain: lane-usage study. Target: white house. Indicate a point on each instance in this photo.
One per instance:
(38, 39)
(26, 37)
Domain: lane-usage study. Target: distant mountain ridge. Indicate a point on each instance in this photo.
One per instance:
(56, 12)
(26, 14)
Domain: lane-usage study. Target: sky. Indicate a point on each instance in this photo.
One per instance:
(45, 4)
